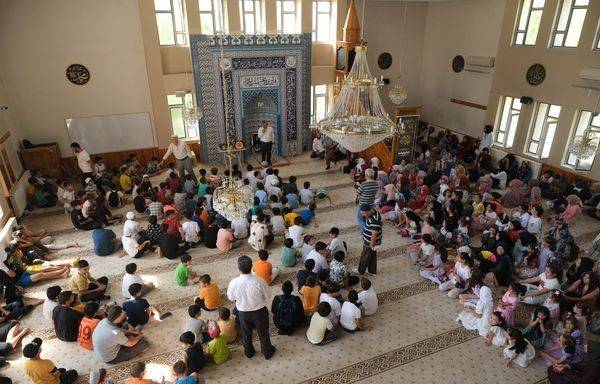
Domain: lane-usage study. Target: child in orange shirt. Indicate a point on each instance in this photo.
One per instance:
(264, 269)
(310, 295)
(88, 324)
(209, 297)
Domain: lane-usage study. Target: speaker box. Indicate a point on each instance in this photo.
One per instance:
(526, 100)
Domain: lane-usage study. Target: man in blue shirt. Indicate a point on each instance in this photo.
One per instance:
(105, 242)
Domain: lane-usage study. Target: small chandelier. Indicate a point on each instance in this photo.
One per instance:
(398, 94)
(191, 115)
(585, 145)
(357, 119)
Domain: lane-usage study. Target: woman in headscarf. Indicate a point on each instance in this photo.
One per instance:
(421, 200)
(388, 200)
(461, 181)
(524, 173)
(514, 197)
(403, 182)
(485, 184)
(394, 173)
(382, 177)
(374, 162)
(565, 244)
(358, 173)
(535, 197)
(420, 178)
(572, 211)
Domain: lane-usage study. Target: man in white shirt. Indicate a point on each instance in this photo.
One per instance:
(250, 294)
(318, 255)
(318, 149)
(84, 161)
(182, 154)
(266, 136)
(368, 297)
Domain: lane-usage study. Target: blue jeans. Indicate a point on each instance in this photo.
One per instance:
(361, 220)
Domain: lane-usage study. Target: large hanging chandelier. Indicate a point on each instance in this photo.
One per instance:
(357, 119)
(585, 145)
(232, 199)
(191, 115)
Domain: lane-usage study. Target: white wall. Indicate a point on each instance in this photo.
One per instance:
(40, 39)
(383, 31)
(467, 28)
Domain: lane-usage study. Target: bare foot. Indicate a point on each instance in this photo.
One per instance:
(65, 274)
(73, 244)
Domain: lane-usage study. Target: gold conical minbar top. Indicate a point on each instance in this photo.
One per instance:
(352, 25)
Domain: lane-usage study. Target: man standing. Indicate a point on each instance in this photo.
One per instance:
(372, 234)
(330, 150)
(266, 136)
(84, 161)
(250, 294)
(366, 196)
(182, 154)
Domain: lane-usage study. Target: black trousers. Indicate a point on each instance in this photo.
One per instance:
(96, 296)
(368, 259)
(258, 320)
(9, 285)
(265, 151)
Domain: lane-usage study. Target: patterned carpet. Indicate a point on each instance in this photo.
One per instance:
(414, 339)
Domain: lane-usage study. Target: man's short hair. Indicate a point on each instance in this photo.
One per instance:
(245, 264)
(370, 173)
(114, 312)
(131, 268)
(137, 369)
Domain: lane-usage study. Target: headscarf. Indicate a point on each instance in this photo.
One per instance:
(359, 164)
(574, 200)
(515, 184)
(382, 177)
(536, 193)
(130, 215)
(391, 192)
(374, 162)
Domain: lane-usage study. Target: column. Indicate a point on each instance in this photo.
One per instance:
(232, 10)
(192, 15)
(270, 17)
(305, 8)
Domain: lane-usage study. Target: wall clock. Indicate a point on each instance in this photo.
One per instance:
(536, 74)
(458, 63)
(78, 74)
(341, 59)
(385, 60)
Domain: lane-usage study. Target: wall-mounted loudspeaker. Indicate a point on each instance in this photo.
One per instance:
(526, 100)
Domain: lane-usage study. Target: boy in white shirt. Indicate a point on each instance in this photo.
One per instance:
(191, 231)
(308, 246)
(130, 277)
(368, 297)
(240, 228)
(296, 232)
(66, 195)
(318, 255)
(277, 222)
(336, 243)
(88, 206)
(333, 292)
(306, 195)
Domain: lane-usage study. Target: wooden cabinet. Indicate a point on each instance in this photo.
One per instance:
(44, 158)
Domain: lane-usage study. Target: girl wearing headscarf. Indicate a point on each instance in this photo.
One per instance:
(388, 200)
(421, 200)
(572, 211)
(514, 197)
(374, 162)
(485, 184)
(394, 173)
(478, 318)
(461, 181)
(358, 173)
(535, 197)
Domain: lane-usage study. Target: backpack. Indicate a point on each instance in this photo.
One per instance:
(286, 313)
(113, 199)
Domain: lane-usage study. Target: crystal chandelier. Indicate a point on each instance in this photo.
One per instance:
(398, 94)
(232, 199)
(585, 145)
(357, 119)
(191, 115)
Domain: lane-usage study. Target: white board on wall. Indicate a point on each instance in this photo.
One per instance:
(112, 133)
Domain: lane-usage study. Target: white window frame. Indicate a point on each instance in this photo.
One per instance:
(257, 16)
(281, 12)
(506, 128)
(179, 32)
(597, 41)
(189, 101)
(542, 120)
(315, 97)
(563, 31)
(315, 21)
(525, 10)
(585, 119)
(215, 15)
